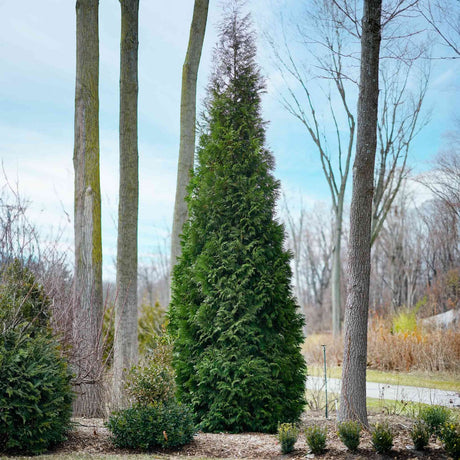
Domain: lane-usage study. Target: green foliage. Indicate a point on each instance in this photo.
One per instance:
(153, 380)
(151, 320)
(450, 437)
(35, 390)
(316, 438)
(35, 394)
(405, 321)
(23, 302)
(150, 326)
(349, 433)
(420, 434)
(287, 436)
(236, 325)
(434, 417)
(382, 438)
(166, 424)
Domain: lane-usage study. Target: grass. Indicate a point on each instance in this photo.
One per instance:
(440, 381)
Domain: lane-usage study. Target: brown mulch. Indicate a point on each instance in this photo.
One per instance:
(91, 437)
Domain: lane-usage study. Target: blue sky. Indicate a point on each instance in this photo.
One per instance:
(37, 81)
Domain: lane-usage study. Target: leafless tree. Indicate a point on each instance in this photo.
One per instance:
(353, 393)
(400, 120)
(187, 121)
(310, 240)
(87, 222)
(443, 16)
(333, 51)
(125, 349)
(154, 276)
(397, 257)
(443, 180)
(19, 238)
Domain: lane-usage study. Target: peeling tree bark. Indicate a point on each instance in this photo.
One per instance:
(88, 248)
(187, 122)
(125, 338)
(353, 394)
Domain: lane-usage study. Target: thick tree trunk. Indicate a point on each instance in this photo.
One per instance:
(187, 122)
(125, 339)
(353, 394)
(88, 247)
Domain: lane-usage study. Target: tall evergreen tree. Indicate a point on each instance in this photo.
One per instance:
(237, 327)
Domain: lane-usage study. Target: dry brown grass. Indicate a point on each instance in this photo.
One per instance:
(427, 351)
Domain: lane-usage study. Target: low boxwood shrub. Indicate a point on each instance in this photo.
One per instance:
(349, 433)
(287, 436)
(162, 424)
(435, 417)
(420, 435)
(450, 437)
(316, 438)
(382, 438)
(35, 394)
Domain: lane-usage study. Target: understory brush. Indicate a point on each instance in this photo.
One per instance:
(389, 350)
(435, 417)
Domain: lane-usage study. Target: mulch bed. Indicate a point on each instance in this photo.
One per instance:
(91, 437)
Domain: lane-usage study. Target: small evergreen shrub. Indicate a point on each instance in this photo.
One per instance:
(435, 417)
(153, 381)
(450, 437)
(382, 438)
(167, 424)
(420, 435)
(287, 436)
(35, 390)
(349, 433)
(35, 394)
(316, 438)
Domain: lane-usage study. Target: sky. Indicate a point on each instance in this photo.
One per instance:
(37, 87)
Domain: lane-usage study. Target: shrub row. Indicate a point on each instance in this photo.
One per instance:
(433, 421)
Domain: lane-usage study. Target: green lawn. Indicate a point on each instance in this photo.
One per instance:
(441, 381)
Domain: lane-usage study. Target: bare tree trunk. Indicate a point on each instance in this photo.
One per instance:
(88, 248)
(187, 122)
(353, 394)
(125, 339)
(336, 294)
